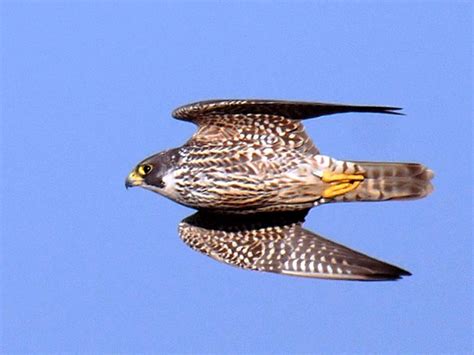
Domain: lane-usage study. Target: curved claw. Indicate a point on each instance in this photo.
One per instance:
(344, 183)
(331, 177)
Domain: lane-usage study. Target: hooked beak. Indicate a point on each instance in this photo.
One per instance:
(133, 179)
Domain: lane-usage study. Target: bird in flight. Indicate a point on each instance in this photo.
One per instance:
(253, 173)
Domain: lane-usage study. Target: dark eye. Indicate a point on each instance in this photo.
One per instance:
(145, 169)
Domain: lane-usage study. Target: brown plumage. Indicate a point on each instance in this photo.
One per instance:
(251, 160)
(277, 242)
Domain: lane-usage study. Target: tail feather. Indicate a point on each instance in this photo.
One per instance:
(373, 170)
(389, 181)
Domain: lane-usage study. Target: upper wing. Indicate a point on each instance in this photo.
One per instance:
(297, 110)
(276, 242)
(261, 122)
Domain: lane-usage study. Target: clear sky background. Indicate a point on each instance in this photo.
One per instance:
(86, 92)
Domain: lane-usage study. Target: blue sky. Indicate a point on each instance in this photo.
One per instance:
(86, 92)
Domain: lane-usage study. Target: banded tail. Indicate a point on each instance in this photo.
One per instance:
(386, 181)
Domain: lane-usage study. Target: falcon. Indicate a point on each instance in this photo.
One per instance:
(252, 173)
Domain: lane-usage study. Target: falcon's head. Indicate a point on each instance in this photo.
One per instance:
(151, 173)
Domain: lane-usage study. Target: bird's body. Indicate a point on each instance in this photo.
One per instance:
(254, 158)
(240, 180)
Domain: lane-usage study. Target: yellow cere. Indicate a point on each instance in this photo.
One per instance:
(134, 178)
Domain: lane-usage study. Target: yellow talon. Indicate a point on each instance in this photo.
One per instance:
(344, 183)
(330, 177)
(340, 189)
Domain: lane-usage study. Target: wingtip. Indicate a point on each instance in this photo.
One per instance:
(395, 111)
(394, 276)
(389, 110)
(392, 110)
(405, 273)
(385, 277)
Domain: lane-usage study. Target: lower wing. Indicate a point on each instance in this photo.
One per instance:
(277, 242)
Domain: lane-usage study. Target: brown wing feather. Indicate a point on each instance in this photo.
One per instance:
(264, 123)
(290, 109)
(276, 242)
(257, 131)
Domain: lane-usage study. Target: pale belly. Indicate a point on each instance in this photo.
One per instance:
(246, 188)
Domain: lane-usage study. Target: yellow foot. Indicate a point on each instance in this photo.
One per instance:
(340, 189)
(344, 183)
(331, 177)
